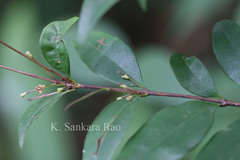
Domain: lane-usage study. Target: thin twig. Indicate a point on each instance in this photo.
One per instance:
(28, 74)
(81, 98)
(42, 96)
(34, 61)
(222, 102)
(144, 92)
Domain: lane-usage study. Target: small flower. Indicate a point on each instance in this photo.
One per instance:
(124, 76)
(29, 54)
(23, 94)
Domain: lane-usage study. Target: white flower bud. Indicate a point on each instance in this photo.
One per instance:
(23, 94)
(119, 98)
(29, 54)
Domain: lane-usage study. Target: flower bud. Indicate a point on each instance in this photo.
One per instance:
(123, 86)
(29, 54)
(59, 90)
(119, 98)
(124, 76)
(42, 86)
(23, 94)
(129, 98)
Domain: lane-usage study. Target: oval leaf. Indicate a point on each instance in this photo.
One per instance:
(171, 133)
(53, 47)
(226, 46)
(33, 112)
(223, 145)
(109, 57)
(143, 4)
(91, 12)
(119, 115)
(193, 75)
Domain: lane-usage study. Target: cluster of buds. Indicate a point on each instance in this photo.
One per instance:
(40, 88)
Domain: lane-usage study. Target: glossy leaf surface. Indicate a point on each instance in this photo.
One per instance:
(226, 45)
(53, 47)
(171, 133)
(118, 115)
(33, 112)
(223, 145)
(109, 57)
(193, 75)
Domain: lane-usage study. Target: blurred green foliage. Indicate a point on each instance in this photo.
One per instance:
(166, 27)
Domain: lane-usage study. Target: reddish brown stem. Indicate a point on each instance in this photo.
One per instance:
(28, 74)
(222, 103)
(34, 61)
(42, 96)
(144, 92)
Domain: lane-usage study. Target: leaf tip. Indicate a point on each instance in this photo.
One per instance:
(21, 137)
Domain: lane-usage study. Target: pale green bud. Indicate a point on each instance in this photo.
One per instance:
(129, 98)
(123, 86)
(119, 98)
(42, 86)
(124, 76)
(29, 54)
(23, 94)
(59, 90)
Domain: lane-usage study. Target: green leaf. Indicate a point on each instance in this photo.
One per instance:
(223, 145)
(109, 57)
(33, 112)
(53, 47)
(119, 113)
(193, 75)
(143, 4)
(226, 46)
(91, 12)
(171, 133)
